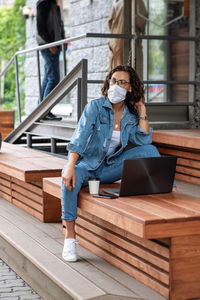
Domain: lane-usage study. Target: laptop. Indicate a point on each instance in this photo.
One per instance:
(141, 176)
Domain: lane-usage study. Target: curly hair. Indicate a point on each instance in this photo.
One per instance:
(137, 87)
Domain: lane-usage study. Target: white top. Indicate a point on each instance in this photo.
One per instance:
(114, 143)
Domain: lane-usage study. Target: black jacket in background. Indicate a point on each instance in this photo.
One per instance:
(49, 23)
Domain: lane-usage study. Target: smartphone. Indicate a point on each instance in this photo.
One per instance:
(105, 196)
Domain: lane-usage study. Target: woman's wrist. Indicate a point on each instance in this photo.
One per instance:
(71, 165)
(142, 112)
(73, 159)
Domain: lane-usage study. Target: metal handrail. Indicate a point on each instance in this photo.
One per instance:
(37, 49)
(78, 75)
(97, 35)
(58, 43)
(72, 39)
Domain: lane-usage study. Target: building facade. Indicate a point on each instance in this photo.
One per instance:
(169, 65)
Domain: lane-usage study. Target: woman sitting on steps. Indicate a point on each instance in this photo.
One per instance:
(97, 148)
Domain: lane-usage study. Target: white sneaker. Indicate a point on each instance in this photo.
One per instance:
(69, 250)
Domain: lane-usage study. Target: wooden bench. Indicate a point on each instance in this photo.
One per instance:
(185, 144)
(21, 174)
(6, 122)
(154, 238)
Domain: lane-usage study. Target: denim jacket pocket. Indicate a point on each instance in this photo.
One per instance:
(103, 119)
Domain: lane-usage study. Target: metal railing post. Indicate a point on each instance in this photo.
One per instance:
(79, 98)
(84, 84)
(18, 89)
(53, 145)
(39, 75)
(64, 60)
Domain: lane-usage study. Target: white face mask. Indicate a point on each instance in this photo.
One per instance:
(116, 94)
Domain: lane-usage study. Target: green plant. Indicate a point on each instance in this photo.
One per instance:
(12, 39)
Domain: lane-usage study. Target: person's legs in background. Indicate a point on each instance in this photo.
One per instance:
(52, 73)
(51, 76)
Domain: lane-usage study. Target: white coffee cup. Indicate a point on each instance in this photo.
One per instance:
(94, 186)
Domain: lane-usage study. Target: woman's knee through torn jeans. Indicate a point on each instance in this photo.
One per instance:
(106, 174)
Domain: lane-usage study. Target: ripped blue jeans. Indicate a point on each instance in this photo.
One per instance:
(106, 174)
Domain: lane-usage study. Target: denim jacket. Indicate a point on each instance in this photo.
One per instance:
(93, 134)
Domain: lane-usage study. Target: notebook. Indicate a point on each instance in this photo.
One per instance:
(141, 176)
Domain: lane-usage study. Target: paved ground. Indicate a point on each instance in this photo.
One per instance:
(12, 287)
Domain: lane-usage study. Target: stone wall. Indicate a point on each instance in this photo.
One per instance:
(85, 16)
(90, 16)
(31, 79)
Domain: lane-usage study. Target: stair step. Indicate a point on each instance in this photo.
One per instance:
(53, 129)
(42, 139)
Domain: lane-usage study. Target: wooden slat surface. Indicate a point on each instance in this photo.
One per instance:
(187, 178)
(118, 231)
(27, 201)
(153, 246)
(148, 280)
(185, 267)
(153, 211)
(28, 209)
(30, 187)
(140, 214)
(189, 163)
(179, 153)
(186, 138)
(126, 256)
(5, 190)
(22, 171)
(4, 176)
(141, 252)
(28, 165)
(4, 182)
(6, 196)
(27, 193)
(51, 208)
(6, 122)
(156, 231)
(185, 144)
(5, 187)
(52, 186)
(188, 171)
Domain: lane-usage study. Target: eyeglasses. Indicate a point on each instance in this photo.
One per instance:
(118, 82)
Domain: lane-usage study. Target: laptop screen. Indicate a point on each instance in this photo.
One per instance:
(150, 175)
